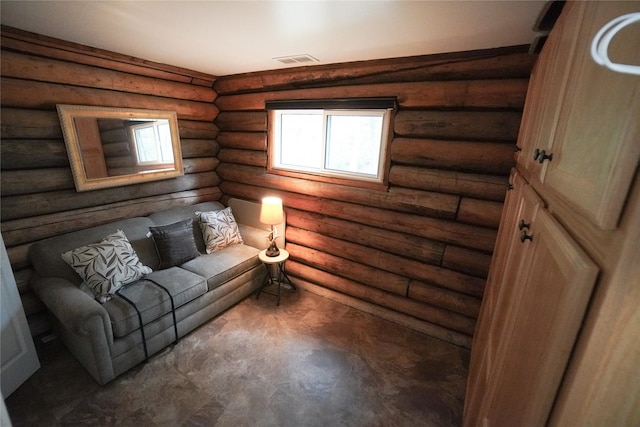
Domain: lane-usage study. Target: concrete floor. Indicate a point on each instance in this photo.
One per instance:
(309, 362)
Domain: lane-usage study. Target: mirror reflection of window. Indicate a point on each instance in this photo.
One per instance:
(153, 142)
(150, 154)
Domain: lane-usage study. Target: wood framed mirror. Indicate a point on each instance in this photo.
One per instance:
(110, 147)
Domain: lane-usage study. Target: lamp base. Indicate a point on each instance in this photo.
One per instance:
(272, 250)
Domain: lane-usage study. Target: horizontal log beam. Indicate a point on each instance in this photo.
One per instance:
(384, 261)
(427, 203)
(512, 62)
(32, 153)
(48, 202)
(252, 121)
(124, 162)
(40, 45)
(407, 245)
(200, 164)
(402, 304)
(390, 315)
(53, 71)
(480, 212)
(197, 129)
(30, 124)
(456, 155)
(506, 93)
(40, 95)
(343, 267)
(243, 157)
(467, 261)
(464, 125)
(199, 148)
(485, 187)
(116, 149)
(449, 300)
(44, 153)
(458, 125)
(14, 182)
(20, 123)
(21, 231)
(243, 140)
(464, 235)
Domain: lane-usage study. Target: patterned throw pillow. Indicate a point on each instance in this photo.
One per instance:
(107, 266)
(219, 229)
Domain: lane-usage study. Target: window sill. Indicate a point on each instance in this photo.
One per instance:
(377, 186)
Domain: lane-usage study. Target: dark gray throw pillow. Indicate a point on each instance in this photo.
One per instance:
(175, 243)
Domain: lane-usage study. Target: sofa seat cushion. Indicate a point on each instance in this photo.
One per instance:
(151, 300)
(224, 264)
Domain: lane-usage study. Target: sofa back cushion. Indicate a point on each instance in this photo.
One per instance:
(46, 255)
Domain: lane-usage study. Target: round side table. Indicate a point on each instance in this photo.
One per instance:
(276, 273)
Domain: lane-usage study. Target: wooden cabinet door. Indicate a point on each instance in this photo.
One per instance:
(510, 257)
(596, 144)
(478, 367)
(553, 289)
(547, 86)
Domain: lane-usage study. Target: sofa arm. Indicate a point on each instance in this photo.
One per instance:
(248, 214)
(255, 237)
(72, 307)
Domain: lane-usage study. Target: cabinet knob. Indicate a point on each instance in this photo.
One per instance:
(517, 149)
(541, 156)
(524, 236)
(523, 224)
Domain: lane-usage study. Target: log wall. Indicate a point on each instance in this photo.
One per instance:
(39, 199)
(419, 253)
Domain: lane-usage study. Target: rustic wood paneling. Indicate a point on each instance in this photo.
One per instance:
(424, 202)
(243, 140)
(438, 94)
(42, 203)
(502, 63)
(421, 225)
(467, 125)
(457, 155)
(22, 41)
(39, 199)
(43, 95)
(26, 67)
(406, 245)
(421, 249)
(480, 186)
(28, 230)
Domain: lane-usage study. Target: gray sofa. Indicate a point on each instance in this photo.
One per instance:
(107, 338)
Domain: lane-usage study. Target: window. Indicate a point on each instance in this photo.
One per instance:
(152, 142)
(335, 142)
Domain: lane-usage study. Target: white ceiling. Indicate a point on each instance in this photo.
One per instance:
(229, 37)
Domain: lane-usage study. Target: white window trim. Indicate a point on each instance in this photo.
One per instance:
(274, 146)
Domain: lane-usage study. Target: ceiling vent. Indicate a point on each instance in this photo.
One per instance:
(297, 59)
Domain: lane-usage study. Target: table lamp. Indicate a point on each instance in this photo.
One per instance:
(271, 214)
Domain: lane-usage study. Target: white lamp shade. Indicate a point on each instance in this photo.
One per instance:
(271, 211)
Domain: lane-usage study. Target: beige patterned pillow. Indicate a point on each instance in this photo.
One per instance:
(219, 229)
(107, 266)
